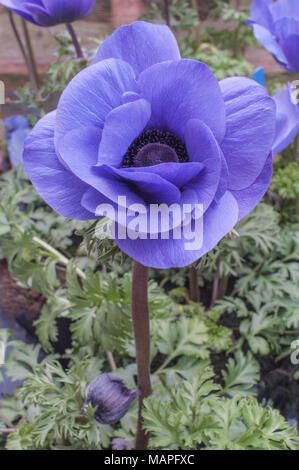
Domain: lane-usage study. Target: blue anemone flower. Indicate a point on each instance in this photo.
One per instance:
(276, 26)
(50, 12)
(287, 119)
(146, 125)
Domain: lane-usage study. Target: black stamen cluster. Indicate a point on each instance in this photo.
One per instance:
(152, 137)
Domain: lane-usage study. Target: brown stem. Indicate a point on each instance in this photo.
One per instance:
(18, 37)
(296, 160)
(31, 59)
(111, 360)
(141, 326)
(296, 148)
(277, 199)
(75, 40)
(23, 51)
(215, 286)
(167, 13)
(198, 26)
(194, 288)
(223, 283)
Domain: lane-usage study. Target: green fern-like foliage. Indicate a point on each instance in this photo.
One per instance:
(195, 417)
(286, 181)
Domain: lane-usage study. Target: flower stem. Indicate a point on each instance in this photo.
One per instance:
(31, 59)
(167, 13)
(296, 148)
(18, 37)
(111, 360)
(194, 289)
(75, 40)
(215, 291)
(141, 326)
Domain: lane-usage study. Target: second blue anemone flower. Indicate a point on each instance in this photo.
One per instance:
(287, 119)
(50, 12)
(276, 26)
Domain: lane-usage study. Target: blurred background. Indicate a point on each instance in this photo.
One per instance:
(107, 15)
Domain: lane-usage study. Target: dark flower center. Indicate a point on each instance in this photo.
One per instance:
(155, 147)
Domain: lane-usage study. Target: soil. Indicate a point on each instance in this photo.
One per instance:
(15, 300)
(277, 386)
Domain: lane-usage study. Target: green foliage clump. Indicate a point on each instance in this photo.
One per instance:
(285, 181)
(196, 417)
(259, 260)
(221, 49)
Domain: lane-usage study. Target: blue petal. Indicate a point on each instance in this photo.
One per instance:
(163, 254)
(79, 152)
(39, 15)
(179, 174)
(56, 185)
(290, 47)
(284, 8)
(250, 130)
(200, 141)
(50, 12)
(182, 90)
(17, 6)
(223, 181)
(129, 97)
(122, 126)
(168, 178)
(147, 186)
(124, 213)
(287, 120)
(249, 198)
(261, 14)
(286, 31)
(141, 45)
(92, 95)
(268, 40)
(203, 147)
(67, 11)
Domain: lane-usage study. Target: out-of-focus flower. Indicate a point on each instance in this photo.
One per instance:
(276, 26)
(16, 130)
(143, 124)
(50, 12)
(112, 399)
(287, 119)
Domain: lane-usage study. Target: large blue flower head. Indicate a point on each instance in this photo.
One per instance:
(276, 26)
(287, 119)
(50, 12)
(146, 125)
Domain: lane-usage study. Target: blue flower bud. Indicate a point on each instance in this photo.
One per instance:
(112, 399)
